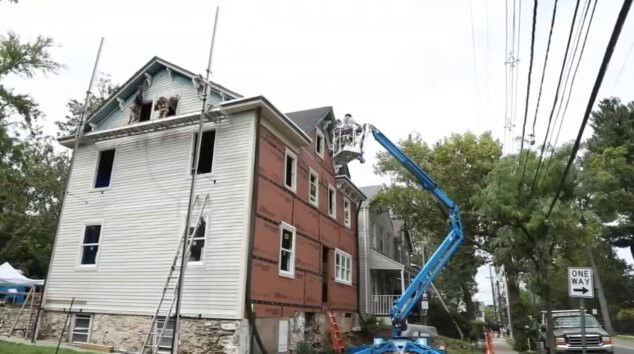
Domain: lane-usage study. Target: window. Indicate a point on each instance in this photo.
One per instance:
(287, 250)
(319, 143)
(346, 212)
(82, 324)
(313, 187)
(198, 241)
(332, 200)
(104, 168)
(166, 339)
(90, 245)
(343, 267)
(290, 170)
(146, 111)
(206, 157)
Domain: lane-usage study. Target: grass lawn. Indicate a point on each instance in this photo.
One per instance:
(14, 348)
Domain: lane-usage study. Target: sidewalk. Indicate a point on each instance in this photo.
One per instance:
(500, 346)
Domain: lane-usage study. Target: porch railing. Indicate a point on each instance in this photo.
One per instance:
(381, 304)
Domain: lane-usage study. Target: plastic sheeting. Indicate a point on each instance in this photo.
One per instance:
(10, 276)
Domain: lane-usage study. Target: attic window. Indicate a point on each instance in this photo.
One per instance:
(319, 143)
(146, 111)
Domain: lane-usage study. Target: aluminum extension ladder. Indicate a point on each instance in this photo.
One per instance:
(165, 309)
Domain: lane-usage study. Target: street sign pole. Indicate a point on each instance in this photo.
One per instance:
(583, 325)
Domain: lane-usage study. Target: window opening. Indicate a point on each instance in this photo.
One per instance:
(313, 188)
(206, 157)
(90, 244)
(287, 250)
(81, 328)
(198, 241)
(104, 168)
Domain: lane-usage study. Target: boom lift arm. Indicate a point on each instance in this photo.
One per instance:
(412, 294)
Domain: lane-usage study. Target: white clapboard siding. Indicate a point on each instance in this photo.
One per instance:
(162, 85)
(143, 214)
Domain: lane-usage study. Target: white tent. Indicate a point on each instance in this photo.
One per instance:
(10, 276)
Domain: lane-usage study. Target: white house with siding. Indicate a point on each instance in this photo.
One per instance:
(125, 212)
(384, 253)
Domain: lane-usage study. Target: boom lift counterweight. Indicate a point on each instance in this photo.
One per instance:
(348, 142)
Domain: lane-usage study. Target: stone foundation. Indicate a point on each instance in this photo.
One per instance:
(127, 332)
(8, 315)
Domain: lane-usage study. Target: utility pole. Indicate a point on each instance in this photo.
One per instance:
(605, 314)
(495, 310)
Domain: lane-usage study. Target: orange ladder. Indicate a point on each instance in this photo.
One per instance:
(335, 335)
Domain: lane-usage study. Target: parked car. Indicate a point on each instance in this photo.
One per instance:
(567, 333)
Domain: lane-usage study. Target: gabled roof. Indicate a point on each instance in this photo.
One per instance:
(370, 192)
(151, 67)
(309, 118)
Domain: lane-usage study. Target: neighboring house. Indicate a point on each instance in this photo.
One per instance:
(384, 252)
(278, 235)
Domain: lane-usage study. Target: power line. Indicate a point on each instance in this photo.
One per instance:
(609, 50)
(622, 67)
(541, 85)
(530, 72)
(552, 111)
(572, 83)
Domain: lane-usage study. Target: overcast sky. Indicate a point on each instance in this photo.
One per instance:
(404, 66)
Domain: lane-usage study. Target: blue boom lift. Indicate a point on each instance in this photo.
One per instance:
(348, 140)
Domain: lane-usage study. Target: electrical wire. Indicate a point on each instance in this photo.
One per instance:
(530, 72)
(574, 77)
(552, 111)
(541, 85)
(622, 67)
(618, 26)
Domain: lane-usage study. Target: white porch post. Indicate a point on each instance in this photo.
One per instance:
(402, 279)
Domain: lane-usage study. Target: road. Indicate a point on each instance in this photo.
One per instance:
(623, 346)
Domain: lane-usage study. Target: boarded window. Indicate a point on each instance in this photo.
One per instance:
(313, 188)
(206, 157)
(198, 241)
(287, 250)
(104, 168)
(90, 244)
(332, 196)
(81, 328)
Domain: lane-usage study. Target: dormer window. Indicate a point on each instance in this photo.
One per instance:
(319, 143)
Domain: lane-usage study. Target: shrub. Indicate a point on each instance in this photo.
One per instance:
(625, 315)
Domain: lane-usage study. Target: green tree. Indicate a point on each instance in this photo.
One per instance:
(104, 89)
(24, 60)
(528, 238)
(459, 164)
(609, 181)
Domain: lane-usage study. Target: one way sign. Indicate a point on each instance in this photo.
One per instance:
(580, 282)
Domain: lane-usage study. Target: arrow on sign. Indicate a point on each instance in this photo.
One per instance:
(582, 290)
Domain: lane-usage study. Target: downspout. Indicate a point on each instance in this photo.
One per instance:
(363, 327)
(254, 199)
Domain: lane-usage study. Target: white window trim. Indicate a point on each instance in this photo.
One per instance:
(96, 169)
(349, 210)
(312, 172)
(288, 274)
(191, 154)
(206, 217)
(72, 331)
(99, 245)
(293, 186)
(344, 255)
(320, 134)
(332, 214)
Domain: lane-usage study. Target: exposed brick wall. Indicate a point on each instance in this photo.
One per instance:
(278, 296)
